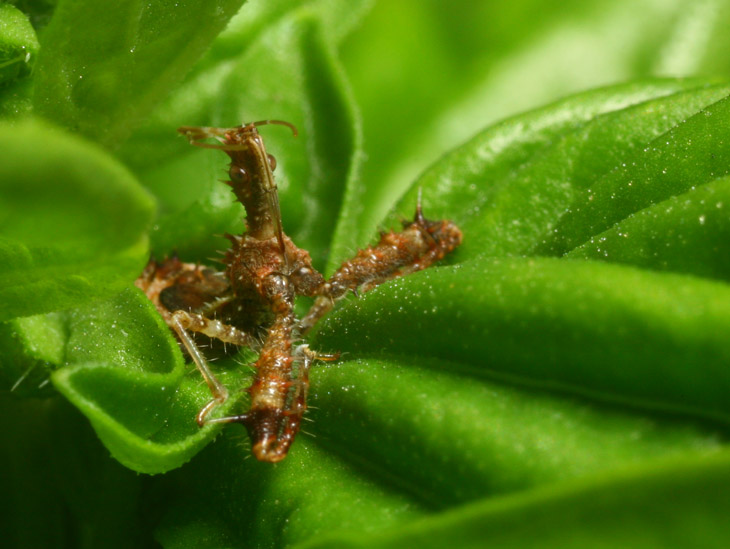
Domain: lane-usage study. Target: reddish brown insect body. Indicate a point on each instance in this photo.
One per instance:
(251, 303)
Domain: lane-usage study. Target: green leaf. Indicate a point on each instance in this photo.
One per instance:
(131, 383)
(557, 163)
(38, 11)
(686, 233)
(681, 503)
(72, 221)
(18, 44)
(101, 82)
(459, 435)
(544, 320)
(382, 456)
(690, 154)
(282, 505)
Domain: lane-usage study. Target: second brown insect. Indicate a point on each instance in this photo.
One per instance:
(251, 302)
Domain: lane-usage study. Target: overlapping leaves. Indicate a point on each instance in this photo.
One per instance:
(417, 415)
(566, 369)
(429, 415)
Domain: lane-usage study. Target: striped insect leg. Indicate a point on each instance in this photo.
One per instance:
(419, 245)
(183, 322)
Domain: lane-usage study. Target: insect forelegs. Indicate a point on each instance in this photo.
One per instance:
(214, 329)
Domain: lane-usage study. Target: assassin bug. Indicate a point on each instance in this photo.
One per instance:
(251, 302)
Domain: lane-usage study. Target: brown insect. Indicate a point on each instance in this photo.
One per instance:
(251, 302)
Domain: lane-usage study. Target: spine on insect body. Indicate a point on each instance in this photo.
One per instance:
(272, 429)
(258, 199)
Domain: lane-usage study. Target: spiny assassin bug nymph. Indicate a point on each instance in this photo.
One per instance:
(251, 302)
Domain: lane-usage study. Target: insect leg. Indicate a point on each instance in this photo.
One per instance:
(420, 244)
(183, 321)
(214, 328)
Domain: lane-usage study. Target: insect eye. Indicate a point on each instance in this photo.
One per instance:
(272, 161)
(238, 174)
